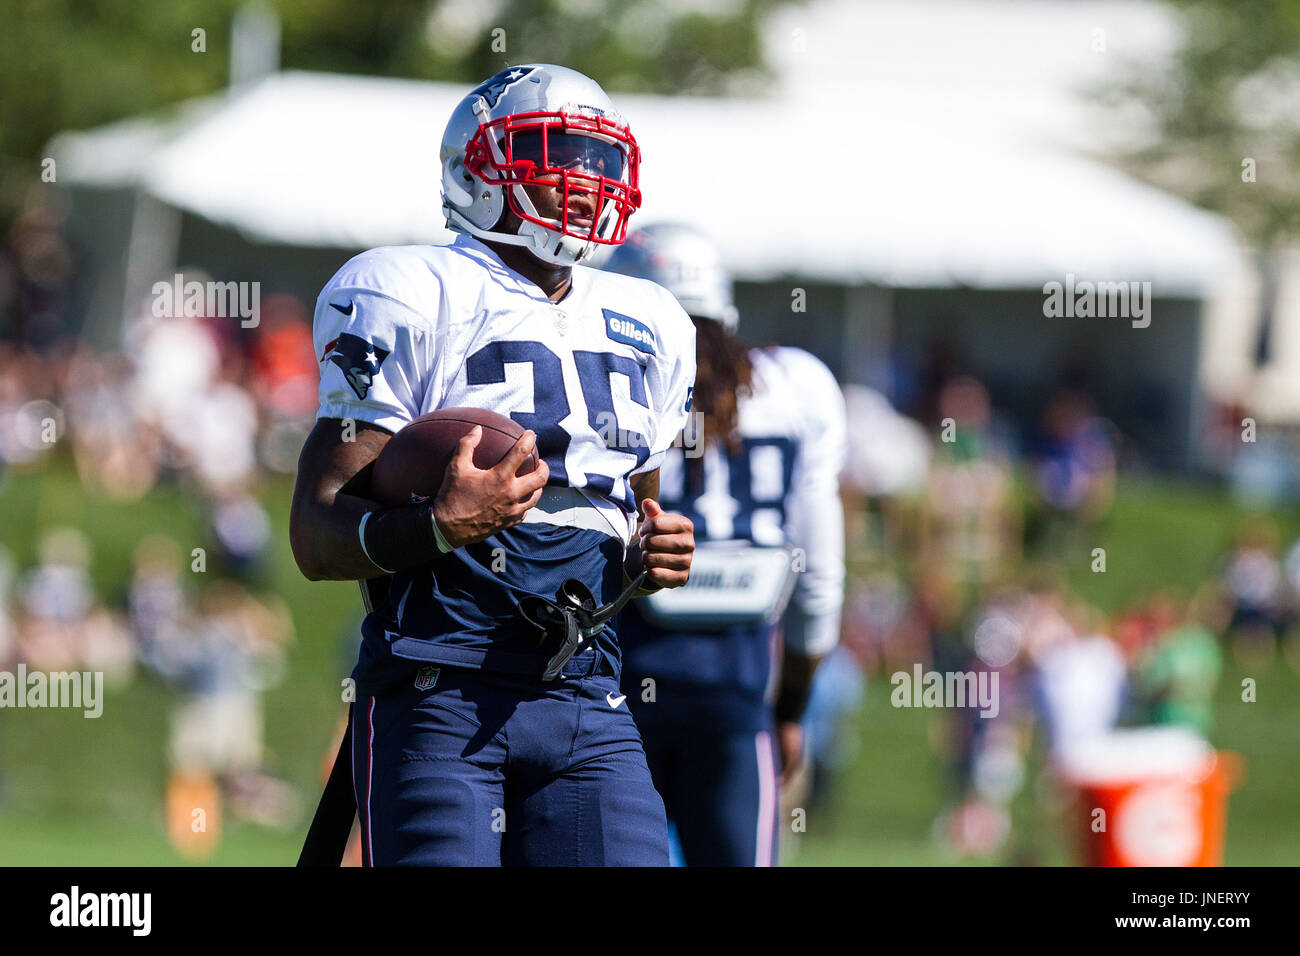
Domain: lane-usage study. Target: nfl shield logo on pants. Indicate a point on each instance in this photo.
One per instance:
(426, 678)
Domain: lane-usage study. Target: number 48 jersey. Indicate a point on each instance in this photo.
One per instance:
(777, 487)
(604, 378)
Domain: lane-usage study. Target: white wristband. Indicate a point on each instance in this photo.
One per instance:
(443, 546)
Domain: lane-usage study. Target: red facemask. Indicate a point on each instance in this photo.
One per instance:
(579, 154)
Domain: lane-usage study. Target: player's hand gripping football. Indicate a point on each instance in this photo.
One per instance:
(474, 503)
(662, 548)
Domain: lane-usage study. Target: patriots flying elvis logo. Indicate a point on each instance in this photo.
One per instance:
(358, 359)
(492, 89)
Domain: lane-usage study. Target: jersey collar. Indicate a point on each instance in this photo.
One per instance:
(481, 248)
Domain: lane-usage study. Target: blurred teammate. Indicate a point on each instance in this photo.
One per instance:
(764, 499)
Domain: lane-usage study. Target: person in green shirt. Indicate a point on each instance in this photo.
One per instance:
(1178, 675)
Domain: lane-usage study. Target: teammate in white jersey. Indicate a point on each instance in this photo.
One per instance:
(485, 728)
(764, 499)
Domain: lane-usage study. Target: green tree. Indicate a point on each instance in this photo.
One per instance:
(1225, 116)
(69, 64)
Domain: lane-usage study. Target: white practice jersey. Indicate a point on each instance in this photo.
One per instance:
(604, 377)
(781, 488)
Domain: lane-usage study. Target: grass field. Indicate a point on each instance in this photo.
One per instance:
(78, 791)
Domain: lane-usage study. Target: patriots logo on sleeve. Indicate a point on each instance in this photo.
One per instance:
(358, 359)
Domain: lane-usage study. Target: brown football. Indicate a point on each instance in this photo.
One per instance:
(412, 464)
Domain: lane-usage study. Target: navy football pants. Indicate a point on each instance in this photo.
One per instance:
(717, 776)
(487, 769)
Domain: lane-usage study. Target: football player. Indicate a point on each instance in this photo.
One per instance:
(480, 736)
(760, 482)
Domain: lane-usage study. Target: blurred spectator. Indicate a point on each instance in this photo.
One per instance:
(8, 642)
(159, 605)
(175, 363)
(219, 438)
(57, 598)
(938, 611)
(1256, 589)
(1263, 471)
(838, 689)
(970, 521)
(222, 664)
(35, 268)
(284, 359)
(243, 533)
(885, 468)
(286, 370)
(64, 627)
(115, 452)
(8, 631)
(1073, 462)
(986, 748)
(1079, 684)
(876, 623)
(26, 410)
(1177, 675)
(1138, 625)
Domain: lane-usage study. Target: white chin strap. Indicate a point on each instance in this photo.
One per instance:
(548, 243)
(555, 247)
(545, 244)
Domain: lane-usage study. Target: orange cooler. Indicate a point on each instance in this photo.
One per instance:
(1151, 797)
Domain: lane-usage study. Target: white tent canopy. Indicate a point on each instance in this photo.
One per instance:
(839, 177)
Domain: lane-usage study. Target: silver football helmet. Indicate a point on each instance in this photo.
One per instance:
(545, 126)
(686, 263)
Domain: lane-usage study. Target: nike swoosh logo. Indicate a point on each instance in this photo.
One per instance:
(615, 701)
(347, 311)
